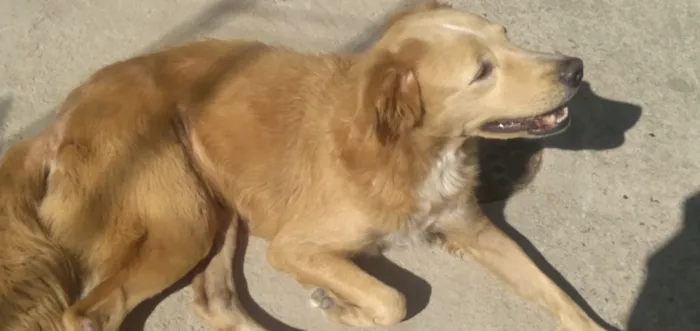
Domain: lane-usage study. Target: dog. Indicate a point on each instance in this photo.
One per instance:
(155, 161)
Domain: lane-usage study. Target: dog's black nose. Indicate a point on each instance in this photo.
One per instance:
(571, 71)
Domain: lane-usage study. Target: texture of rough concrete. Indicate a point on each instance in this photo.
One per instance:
(615, 209)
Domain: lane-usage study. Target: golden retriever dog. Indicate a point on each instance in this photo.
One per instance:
(154, 160)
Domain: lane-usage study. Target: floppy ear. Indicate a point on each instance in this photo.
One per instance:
(393, 93)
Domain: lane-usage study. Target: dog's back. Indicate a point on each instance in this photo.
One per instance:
(37, 278)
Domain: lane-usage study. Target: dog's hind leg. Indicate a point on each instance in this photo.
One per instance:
(140, 232)
(106, 297)
(215, 297)
(155, 265)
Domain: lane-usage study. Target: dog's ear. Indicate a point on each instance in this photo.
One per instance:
(393, 92)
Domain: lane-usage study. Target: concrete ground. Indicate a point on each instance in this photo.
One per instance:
(616, 208)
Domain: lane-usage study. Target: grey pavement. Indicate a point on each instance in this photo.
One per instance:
(615, 211)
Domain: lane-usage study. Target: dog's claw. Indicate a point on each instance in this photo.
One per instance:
(320, 299)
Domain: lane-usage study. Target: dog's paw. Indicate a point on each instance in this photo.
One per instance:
(73, 321)
(338, 310)
(320, 299)
(87, 324)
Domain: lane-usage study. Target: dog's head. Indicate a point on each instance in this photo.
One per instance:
(440, 72)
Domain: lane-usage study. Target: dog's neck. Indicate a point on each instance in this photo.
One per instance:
(393, 171)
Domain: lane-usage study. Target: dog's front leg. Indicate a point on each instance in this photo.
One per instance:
(479, 237)
(345, 293)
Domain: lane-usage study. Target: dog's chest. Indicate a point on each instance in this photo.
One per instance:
(448, 178)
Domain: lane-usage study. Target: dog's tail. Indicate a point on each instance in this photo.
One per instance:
(38, 280)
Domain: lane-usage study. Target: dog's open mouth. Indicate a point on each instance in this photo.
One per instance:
(549, 123)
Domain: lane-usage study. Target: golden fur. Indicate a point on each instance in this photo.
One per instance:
(323, 155)
(38, 279)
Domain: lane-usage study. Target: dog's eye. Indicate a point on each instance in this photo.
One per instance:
(484, 71)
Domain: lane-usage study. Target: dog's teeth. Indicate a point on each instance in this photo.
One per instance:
(549, 119)
(500, 125)
(563, 114)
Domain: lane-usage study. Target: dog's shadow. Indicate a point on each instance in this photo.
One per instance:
(596, 123)
(670, 297)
